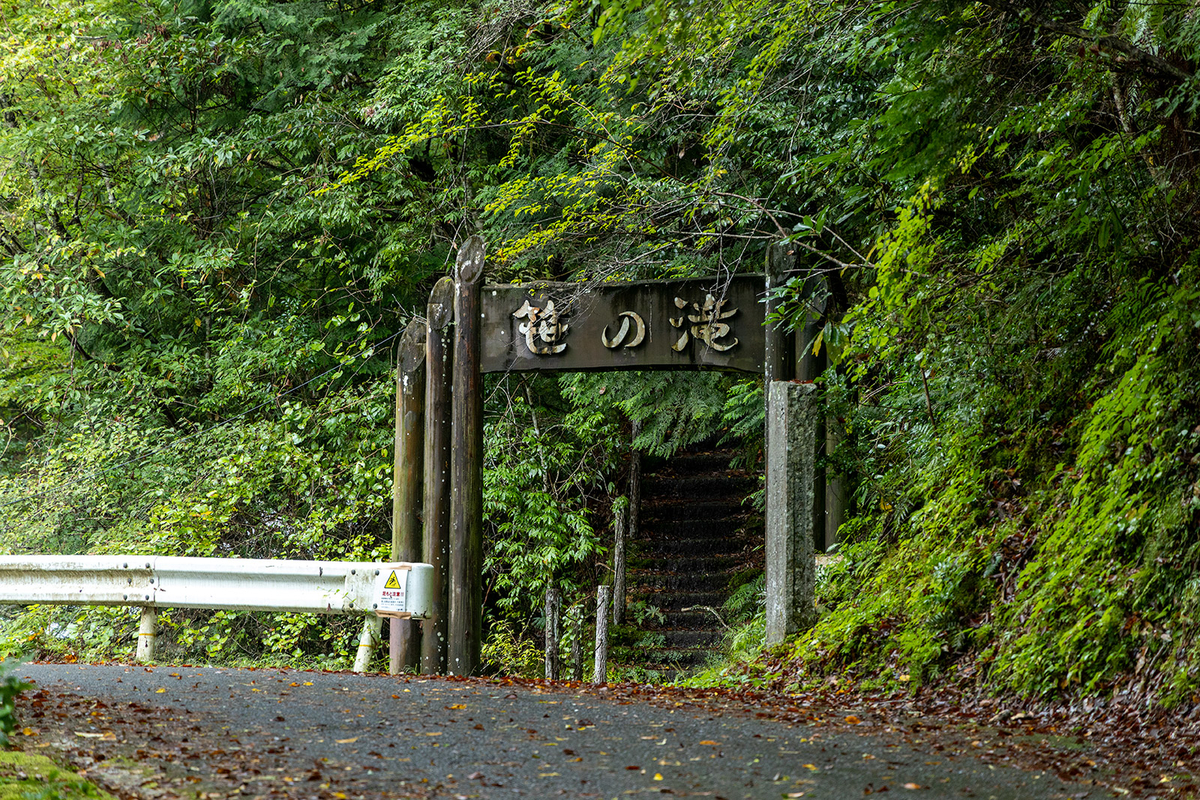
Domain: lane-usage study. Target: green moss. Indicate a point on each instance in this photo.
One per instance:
(27, 776)
(1073, 573)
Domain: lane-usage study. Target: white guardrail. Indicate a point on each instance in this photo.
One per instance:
(397, 589)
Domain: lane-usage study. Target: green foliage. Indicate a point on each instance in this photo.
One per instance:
(11, 688)
(28, 776)
(507, 651)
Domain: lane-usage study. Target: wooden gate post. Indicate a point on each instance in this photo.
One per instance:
(777, 359)
(404, 635)
(438, 377)
(466, 466)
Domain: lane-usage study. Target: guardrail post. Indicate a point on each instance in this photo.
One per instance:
(366, 642)
(147, 634)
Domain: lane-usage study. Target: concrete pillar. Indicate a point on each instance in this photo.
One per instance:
(793, 421)
(147, 634)
(366, 641)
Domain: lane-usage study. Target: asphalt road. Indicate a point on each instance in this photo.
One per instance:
(210, 732)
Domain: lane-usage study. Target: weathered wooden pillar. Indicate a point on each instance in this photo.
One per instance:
(404, 636)
(436, 540)
(777, 361)
(809, 367)
(576, 616)
(793, 417)
(620, 514)
(600, 664)
(466, 467)
(553, 603)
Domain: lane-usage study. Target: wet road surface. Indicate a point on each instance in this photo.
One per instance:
(203, 732)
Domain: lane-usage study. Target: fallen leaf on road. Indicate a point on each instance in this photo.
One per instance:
(456, 705)
(911, 785)
(159, 691)
(347, 741)
(813, 767)
(658, 776)
(710, 742)
(853, 720)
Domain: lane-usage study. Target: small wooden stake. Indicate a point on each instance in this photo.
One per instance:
(466, 469)
(404, 636)
(438, 376)
(619, 563)
(552, 632)
(576, 615)
(600, 669)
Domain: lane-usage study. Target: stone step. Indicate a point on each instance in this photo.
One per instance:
(712, 487)
(675, 601)
(691, 463)
(678, 638)
(662, 580)
(688, 561)
(677, 657)
(715, 547)
(691, 519)
(684, 620)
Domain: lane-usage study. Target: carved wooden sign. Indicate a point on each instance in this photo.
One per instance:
(701, 323)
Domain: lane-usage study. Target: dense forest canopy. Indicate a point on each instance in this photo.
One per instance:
(217, 216)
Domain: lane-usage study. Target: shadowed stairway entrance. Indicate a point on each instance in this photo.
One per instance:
(697, 543)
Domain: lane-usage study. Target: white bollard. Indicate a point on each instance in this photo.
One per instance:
(366, 642)
(147, 633)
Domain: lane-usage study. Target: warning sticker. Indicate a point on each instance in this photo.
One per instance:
(390, 590)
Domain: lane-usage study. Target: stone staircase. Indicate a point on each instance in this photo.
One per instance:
(696, 545)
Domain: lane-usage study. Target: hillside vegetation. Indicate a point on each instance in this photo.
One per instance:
(218, 215)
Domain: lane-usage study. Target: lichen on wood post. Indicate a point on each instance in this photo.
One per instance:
(620, 514)
(439, 361)
(466, 467)
(600, 666)
(552, 632)
(576, 615)
(404, 636)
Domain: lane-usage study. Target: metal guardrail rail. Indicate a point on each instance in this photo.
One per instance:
(153, 582)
